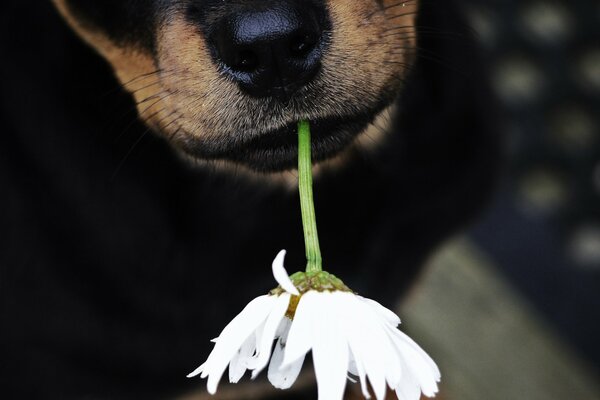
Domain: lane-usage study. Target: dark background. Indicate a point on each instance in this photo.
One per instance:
(543, 229)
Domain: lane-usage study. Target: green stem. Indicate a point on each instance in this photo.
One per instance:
(309, 222)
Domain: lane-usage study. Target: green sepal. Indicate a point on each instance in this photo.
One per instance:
(320, 281)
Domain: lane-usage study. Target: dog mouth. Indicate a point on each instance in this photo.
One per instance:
(277, 150)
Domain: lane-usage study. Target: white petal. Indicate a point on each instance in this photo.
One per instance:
(363, 345)
(279, 376)
(384, 320)
(330, 350)
(408, 392)
(419, 364)
(271, 326)
(232, 338)
(284, 329)
(352, 368)
(258, 333)
(421, 352)
(359, 370)
(281, 275)
(197, 371)
(384, 312)
(237, 366)
(408, 388)
(370, 345)
(300, 339)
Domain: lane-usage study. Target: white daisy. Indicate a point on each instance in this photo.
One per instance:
(346, 333)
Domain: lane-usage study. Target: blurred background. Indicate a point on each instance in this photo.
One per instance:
(534, 332)
(511, 308)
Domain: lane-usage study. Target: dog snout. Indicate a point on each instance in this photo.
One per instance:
(271, 50)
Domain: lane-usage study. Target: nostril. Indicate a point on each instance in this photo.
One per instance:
(245, 61)
(301, 45)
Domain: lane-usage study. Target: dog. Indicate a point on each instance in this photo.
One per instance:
(148, 160)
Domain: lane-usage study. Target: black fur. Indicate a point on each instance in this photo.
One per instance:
(130, 22)
(118, 267)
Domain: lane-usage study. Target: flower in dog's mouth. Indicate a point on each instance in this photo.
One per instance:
(346, 333)
(315, 311)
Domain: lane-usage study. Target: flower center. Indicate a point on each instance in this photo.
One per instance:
(320, 281)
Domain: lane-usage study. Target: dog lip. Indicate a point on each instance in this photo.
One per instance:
(276, 150)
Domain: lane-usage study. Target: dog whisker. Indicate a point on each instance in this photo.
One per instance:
(136, 119)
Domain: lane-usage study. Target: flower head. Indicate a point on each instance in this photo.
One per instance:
(346, 333)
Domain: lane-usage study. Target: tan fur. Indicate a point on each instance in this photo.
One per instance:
(133, 67)
(190, 100)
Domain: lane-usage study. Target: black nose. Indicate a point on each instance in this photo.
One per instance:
(270, 48)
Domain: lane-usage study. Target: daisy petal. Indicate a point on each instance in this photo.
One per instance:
(411, 392)
(232, 338)
(271, 326)
(279, 376)
(300, 338)
(238, 364)
(284, 329)
(281, 275)
(387, 314)
(417, 361)
(197, 371)
(258, 333)
(370, 346)
(421, 352)
(359, 370)
(330, 352)
(408, 388)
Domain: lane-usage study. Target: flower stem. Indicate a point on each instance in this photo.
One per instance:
(309, 222)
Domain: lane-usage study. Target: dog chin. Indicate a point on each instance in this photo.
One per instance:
(276, 151)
